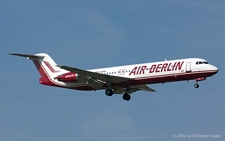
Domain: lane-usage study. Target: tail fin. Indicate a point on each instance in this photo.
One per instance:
(47, 68)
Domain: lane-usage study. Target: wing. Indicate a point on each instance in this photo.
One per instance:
(98, 76)
(85, 75)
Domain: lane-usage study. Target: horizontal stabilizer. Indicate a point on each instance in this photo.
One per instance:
(28, 56)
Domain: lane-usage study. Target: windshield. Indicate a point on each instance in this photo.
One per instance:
(201, 62)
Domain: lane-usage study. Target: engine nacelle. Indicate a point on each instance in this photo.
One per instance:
(67, 77)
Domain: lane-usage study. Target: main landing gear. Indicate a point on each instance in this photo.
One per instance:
(109, 92)
(126, 97)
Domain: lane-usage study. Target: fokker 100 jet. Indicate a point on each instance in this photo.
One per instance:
(120, 79)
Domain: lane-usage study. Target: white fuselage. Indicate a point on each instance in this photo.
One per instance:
(158, 72)
(163, 68)
(120, 79)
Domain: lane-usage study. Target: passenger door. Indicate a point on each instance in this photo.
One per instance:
(188, 67)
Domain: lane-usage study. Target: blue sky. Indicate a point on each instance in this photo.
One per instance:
(91, 34)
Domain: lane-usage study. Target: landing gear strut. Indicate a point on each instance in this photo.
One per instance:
(109, 92)
(196, 85)
(126, 97)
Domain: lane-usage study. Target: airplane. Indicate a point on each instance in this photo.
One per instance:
(123, 80)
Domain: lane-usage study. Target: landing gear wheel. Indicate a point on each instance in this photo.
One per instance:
(126, 97)
(196, 85)
(109, 92)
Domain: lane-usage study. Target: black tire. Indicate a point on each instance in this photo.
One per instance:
(109, 92)
(196, 85)
(126, 97)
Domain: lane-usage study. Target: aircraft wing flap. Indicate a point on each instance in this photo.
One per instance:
(92, 84)
(134, 89)
(119, 91)
(144, 88)
(103, 77)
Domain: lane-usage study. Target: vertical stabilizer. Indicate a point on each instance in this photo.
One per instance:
(45, 65)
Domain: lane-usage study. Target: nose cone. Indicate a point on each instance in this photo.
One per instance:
(215, 69)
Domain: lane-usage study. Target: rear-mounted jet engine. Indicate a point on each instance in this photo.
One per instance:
(67, 77)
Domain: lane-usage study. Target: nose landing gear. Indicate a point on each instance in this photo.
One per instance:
(196, 85)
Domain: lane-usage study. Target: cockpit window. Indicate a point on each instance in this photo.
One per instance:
(201, 62)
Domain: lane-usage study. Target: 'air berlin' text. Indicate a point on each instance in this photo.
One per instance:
(157, 68)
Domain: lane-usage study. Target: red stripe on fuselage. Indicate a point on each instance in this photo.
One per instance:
(166, 78)
(50, 67)
(157, 79)
(45, 78)
(39, 68)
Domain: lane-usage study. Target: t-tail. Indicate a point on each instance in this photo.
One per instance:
(46, 66)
